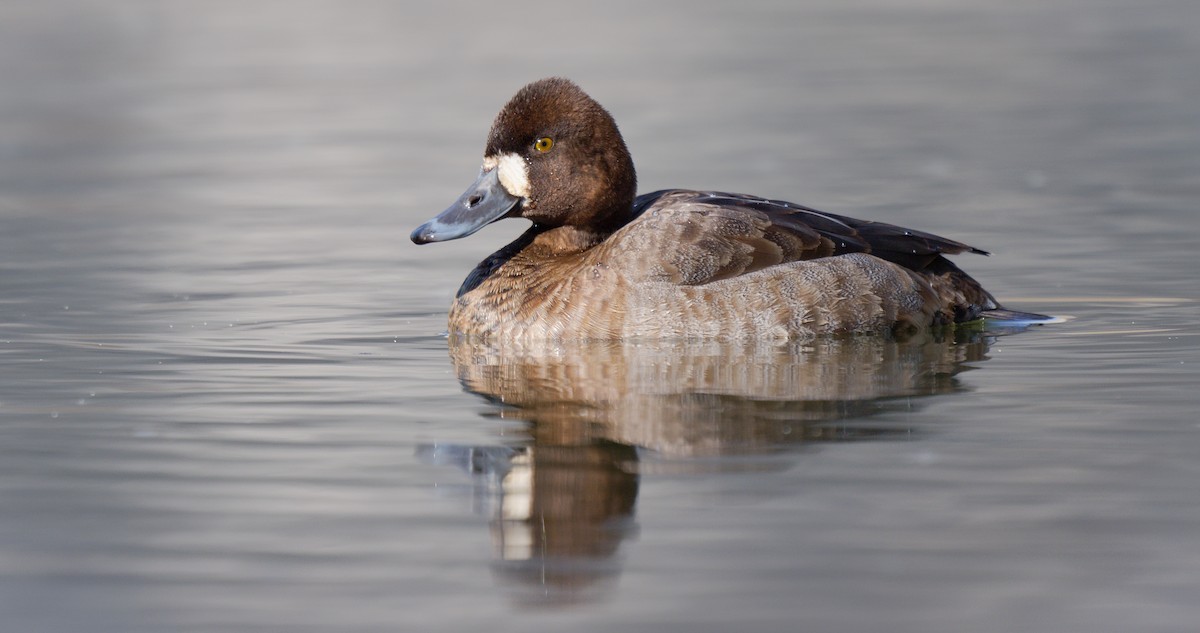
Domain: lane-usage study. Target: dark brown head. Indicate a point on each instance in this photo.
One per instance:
(554, 156)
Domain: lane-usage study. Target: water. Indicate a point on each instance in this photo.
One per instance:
(227, 404)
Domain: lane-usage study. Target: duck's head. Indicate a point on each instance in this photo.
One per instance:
(553, 156)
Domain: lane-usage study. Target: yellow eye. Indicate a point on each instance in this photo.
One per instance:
(544, 144)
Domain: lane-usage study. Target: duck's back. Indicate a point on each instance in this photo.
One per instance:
(777, 231)
(716, 264)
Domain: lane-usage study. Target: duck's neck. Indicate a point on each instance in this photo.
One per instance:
(565, 240)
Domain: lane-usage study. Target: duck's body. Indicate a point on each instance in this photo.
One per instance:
(600, 264)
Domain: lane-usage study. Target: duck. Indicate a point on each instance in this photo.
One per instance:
(600, 262)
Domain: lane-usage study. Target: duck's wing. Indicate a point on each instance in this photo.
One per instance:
(695, 237)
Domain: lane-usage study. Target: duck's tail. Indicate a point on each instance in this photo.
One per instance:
(1004, 317)
(968, 301)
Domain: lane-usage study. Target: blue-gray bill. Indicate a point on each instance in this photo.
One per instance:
(484, 202)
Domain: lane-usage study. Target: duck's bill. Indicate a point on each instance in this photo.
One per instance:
(484, 202)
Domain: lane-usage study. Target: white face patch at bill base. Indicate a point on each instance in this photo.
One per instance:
(514, 173)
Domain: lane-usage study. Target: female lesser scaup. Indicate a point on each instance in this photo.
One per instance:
(601, 262)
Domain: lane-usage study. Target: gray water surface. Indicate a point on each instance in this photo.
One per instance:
(227, 402)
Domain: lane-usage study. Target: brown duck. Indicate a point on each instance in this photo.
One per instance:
(601, 262)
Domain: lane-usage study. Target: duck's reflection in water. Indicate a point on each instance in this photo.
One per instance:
(561, 500)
